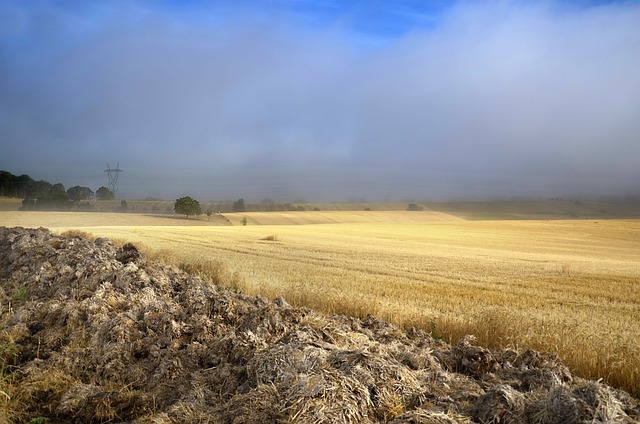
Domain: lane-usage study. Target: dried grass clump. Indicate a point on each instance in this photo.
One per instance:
(272, 237)
(424, 416)
(555, 406)
(78, 233)
(501, 404)
(107, 335)
(390, 405)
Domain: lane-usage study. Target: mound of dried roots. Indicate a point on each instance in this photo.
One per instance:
(94, 333)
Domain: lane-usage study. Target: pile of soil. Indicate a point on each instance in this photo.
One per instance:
(95, 333)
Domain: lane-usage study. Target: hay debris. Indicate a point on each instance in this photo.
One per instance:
(501, 404)
(106, 335)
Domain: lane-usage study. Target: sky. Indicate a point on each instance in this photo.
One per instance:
(329, 100)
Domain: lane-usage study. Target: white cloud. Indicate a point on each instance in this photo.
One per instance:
(510, 96)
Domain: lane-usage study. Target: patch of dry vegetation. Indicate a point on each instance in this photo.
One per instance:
(541, 209)
(106, 335)
(75, 220)
(341, 217)
(10, 203)
(570, 287)
(272, 237)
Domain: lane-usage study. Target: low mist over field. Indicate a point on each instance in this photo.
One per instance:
(338, 100)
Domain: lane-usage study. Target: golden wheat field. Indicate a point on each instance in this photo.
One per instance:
(569, 286)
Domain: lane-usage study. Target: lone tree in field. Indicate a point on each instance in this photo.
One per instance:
(239, 206)
(187, 206)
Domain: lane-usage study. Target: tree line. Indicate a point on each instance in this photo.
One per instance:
(189, 206)
(42, 195)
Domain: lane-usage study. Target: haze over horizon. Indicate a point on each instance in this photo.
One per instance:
(327, 101)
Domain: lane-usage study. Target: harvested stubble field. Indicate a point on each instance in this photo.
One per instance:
(572, 287)
(95, 333)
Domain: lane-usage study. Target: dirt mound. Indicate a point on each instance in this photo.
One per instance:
(94, 333)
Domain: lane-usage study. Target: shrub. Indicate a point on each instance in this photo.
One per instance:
(239, 206)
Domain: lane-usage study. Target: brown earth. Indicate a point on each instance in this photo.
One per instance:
(94, 333)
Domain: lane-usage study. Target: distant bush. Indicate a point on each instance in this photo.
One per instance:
(84, 206)
(414, 207)
(239, 206)
(291, 207)
(28, 205)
